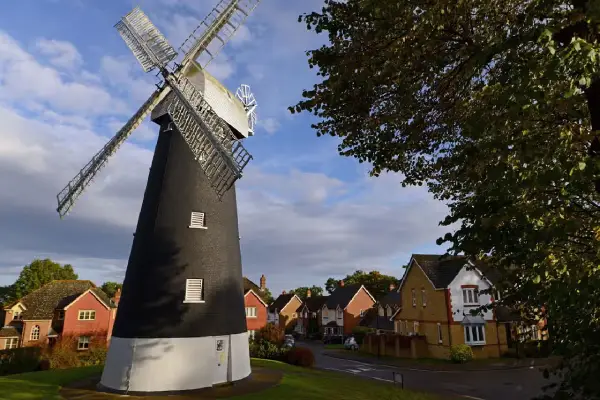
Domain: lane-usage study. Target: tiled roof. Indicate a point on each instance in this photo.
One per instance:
(280, 302)
(42, 302)
(313, 303)
(9, 331)
(391, 299)
(249, 285)
(441, 270)
(372, 319)
(342, 295)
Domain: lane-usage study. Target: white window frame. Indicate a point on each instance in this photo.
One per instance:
(424, 297)
(381, 311)
(193, 294)
(197, 220)
(17, 315)
(388, 311)
(86, 315)
(439, 332)
(35, 333)
(11, 343)
(470, 296)
(83, 343)
(414, 297)
(415, 327)
(252, 334)
(250, 312)
(340, 313)
(362, 313)
(468, 331)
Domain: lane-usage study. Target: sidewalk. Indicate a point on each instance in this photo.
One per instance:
(441, 365)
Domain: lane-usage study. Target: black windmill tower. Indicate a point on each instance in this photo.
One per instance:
(181, 322)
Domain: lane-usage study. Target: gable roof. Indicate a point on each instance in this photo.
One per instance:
(42, 303)
(391, 299)
(439, 269)
(282, 301)
(342, 295)
(249, 285)
(372, 319)
(313, 303)
(252, 292)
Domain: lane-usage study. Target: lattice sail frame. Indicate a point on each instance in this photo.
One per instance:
(152, 50)
(148, 45)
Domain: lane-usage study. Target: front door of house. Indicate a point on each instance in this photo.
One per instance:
(222, 359)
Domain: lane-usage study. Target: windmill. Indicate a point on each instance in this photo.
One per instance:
(181, 323)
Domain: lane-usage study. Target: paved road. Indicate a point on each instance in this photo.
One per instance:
(513, 384)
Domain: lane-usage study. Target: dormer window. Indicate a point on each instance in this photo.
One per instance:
(197, 220)
(17, 315)
(381, 311)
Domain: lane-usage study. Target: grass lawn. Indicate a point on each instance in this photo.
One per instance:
(297, 384)
(42, 385)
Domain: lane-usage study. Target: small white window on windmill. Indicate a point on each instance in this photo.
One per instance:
(197, 220)
(194, 291)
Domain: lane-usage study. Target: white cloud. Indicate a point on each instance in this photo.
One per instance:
(22, 78)
(271, 125)
(124, 75)
(61, 54)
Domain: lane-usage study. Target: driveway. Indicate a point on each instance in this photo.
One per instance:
(514, 384)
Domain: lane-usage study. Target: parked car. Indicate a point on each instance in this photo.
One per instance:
(350, 343)
(288, 341)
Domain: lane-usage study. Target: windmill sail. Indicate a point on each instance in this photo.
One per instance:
(67, 197)
(220, 155)
(145, 41)
(219, 26)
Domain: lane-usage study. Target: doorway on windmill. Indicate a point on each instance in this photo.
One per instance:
(222, 358)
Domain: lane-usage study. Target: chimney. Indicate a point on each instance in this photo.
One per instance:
(392, 286)
(263, 283)
(341, 283)
(283, 292)
(117, 297)
(307, 293)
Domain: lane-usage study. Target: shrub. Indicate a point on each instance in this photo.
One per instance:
(461, 353)
(270, 333)
(300, 356)
(261, 348)
(64, 353)
(94, 356)
(20, 360)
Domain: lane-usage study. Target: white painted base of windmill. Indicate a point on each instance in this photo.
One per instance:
(175, 364)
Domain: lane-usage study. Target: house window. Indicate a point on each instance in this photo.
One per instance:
(251, 312)
(389, 311)
(305, 314)
(251, 334)
(194, 291)
(197, 220)
(424, 297)
(87, 315)
(60, 315)
(339, 313)
(440, 337)
(11, 343)
(398, 326)
(415, 327)
(474, 334)
(17, 314)
(414, 297)
(314, 315)
(470, 296)
(83, 343)
(35, 333)
(362, 313)
(381, 311)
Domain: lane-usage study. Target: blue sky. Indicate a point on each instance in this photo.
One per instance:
(67, 83)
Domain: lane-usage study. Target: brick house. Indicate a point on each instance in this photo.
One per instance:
(309, 314)
(256, 308)
(67, 307)
(379, 316)
(437, 294)
(344, 309)
(282, 311)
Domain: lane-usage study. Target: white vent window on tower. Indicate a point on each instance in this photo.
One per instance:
(197, 220)
(194, 291)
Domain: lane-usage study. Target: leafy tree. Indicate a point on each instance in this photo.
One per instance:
(37, 274)
(495, 106)
(266, 296)
(375, 282)
(301, 291)
(110, 288)
(5, 293)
